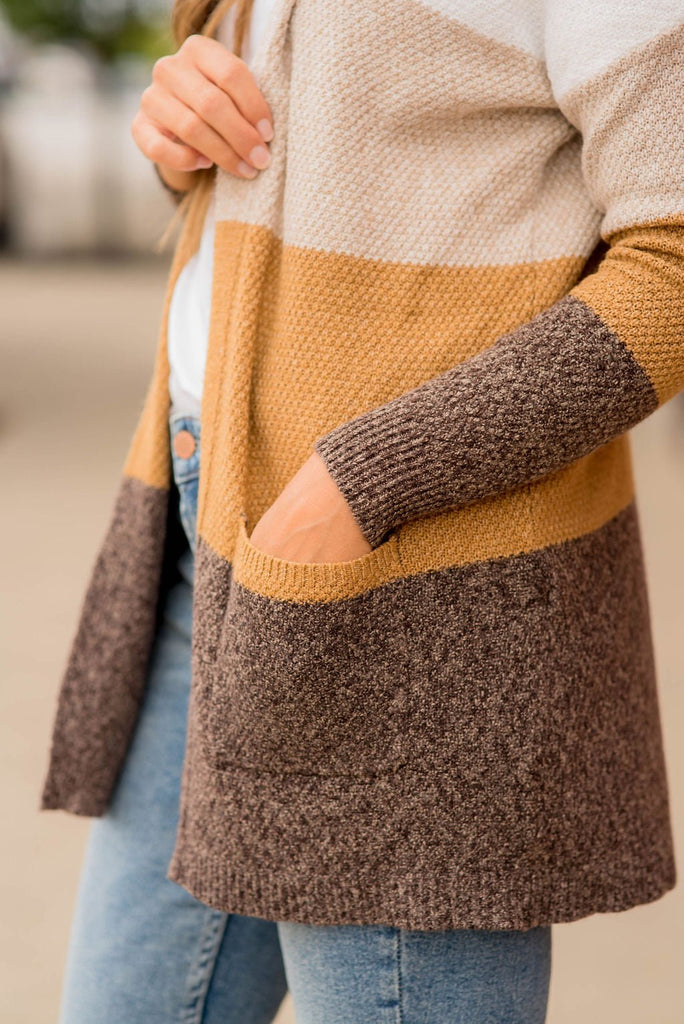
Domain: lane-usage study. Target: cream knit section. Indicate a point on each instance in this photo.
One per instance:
(584, 37)
(500, 20)
(633, 181)
(427, 208)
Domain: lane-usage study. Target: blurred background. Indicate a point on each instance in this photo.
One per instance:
(81, 291)
(71, 178)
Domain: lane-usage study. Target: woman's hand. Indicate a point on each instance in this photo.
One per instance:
(202, 108)
(310, 521)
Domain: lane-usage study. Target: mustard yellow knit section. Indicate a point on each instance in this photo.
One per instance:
(563, 506)
(640, 296)
(273, 384)
(148, 459)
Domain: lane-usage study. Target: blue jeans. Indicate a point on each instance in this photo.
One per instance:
(143, 950)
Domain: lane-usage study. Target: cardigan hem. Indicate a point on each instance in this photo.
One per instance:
(403, 853)
(82, 804)
(422, 904)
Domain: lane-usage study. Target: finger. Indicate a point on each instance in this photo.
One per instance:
(159, 148)
(216, 108)
(190, 128)
(232, 76)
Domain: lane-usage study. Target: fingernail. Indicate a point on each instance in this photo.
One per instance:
(203, 163)
(246, 170)
(260, 157)
(265, 129)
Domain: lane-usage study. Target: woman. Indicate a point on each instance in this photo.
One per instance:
(441, 275)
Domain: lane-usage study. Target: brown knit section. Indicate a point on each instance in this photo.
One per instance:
(504, 772)
(544, 395)
(106, 671)
(290, 681)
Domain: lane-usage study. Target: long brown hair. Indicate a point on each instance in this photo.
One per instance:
(189, 17)
(202, 17)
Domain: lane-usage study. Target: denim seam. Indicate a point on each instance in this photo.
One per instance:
(188, 514)
(183, 475)
(400, 995)
(183, 420)
(201, 972)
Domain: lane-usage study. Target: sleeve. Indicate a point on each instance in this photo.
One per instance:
(603, 357)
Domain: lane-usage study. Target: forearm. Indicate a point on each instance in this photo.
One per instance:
(587, 369)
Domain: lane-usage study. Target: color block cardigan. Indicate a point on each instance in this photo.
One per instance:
(461, 727)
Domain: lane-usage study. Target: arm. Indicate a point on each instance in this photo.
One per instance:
(600, 359)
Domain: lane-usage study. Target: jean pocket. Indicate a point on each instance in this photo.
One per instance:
(310, 671)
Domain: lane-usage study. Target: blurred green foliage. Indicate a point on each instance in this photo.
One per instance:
(110, 28)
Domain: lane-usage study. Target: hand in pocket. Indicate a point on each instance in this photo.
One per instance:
(310, 521)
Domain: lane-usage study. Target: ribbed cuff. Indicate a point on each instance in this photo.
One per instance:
(383, 463)
(540, 397)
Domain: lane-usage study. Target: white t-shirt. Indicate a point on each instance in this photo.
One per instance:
(190, 307)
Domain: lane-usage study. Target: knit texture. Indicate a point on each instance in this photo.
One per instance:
(461, 281)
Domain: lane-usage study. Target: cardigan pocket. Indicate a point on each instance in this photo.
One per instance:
(314, 581)
(310, 673)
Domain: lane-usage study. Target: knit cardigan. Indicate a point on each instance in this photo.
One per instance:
(460, 281)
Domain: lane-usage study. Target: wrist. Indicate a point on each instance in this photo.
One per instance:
(176, 182)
